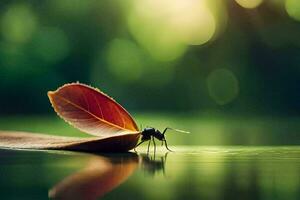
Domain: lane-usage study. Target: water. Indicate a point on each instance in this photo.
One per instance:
(253, 165)
(191, 172)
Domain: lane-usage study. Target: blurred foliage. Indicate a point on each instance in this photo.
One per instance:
(239, 57)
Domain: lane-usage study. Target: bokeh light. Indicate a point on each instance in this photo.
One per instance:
(249, 3)
(125, 60)
(223, 86)
(165, 28)
(293, 9)
(156, 48)
(193, 22)
(18, 23)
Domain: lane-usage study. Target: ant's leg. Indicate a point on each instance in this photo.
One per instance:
(166, 155)
(138, 144)
(154, 145)
(163, 166)
(167, 145)
(148, 146)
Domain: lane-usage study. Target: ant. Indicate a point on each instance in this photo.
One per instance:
(149, 134)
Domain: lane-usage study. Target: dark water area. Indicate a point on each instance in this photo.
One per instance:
(190, 172)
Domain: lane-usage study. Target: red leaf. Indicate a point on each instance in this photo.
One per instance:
(91, 111)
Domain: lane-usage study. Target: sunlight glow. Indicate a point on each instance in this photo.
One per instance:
(193, 22)
(165, 28)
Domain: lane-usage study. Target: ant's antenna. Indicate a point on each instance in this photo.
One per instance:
(141, 127)
(173, 129)
(165, 141)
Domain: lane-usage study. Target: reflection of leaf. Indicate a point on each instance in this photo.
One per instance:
(100, 176)
(89, 110)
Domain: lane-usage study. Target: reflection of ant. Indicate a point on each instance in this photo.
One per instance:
(149, 134)
(152, 166)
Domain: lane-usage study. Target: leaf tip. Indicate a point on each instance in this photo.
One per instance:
(50, 94)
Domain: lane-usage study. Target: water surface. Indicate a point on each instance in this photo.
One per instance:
(191, 172)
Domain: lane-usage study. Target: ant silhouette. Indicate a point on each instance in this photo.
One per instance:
(149, 134)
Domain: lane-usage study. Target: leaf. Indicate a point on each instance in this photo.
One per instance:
(91, 111)
(25, 140)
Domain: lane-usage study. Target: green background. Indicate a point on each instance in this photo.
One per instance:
(227, 71)
(173, 56)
